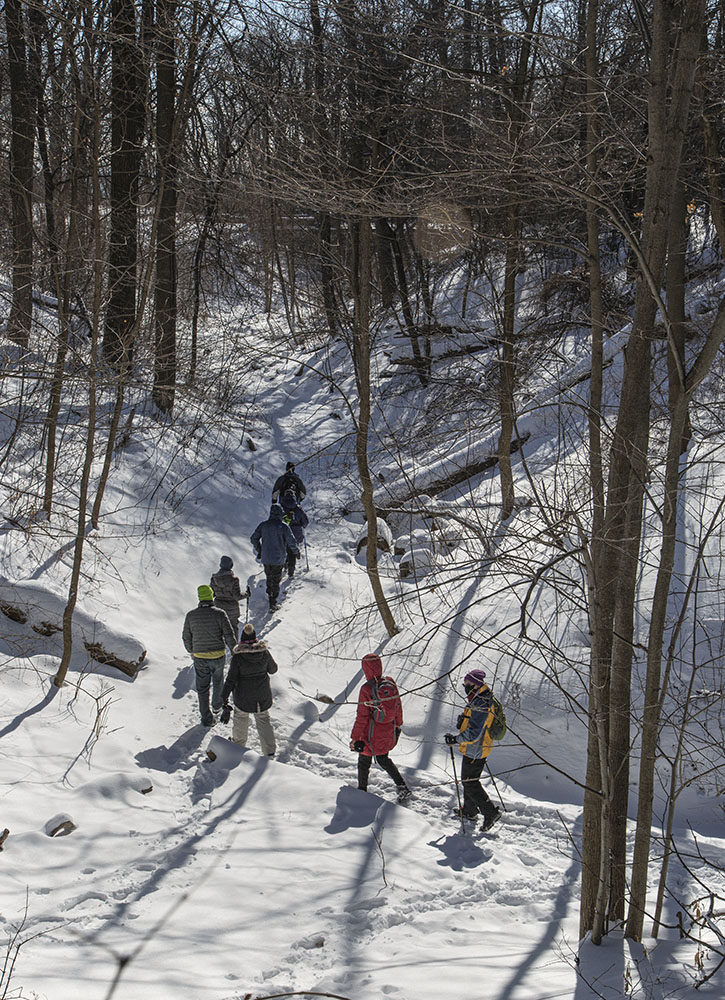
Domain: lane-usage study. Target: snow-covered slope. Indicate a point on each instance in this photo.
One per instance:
(195, 879)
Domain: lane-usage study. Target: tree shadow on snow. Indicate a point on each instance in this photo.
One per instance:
(314, 715)
(440, 694)
(33, 710)
(601, 969)
(173, 858)
(178, 756)
(551, 939)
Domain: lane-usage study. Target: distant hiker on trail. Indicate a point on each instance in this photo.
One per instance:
(271, 539)
(296, 518)
(227, 592)
(248, 680)
(206, 632)
(378, 724)
(474, 741)
(289, 480)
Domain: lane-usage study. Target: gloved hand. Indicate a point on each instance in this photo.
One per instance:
(226, 714)
(357, 745)
(397, 733)
(459, 720)
(451, 739)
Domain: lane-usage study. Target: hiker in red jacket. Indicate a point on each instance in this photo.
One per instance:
(378, 724)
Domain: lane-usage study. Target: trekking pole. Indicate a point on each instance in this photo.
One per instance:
(458, 791)
(246, 613)
(490, 774)
(307, 561)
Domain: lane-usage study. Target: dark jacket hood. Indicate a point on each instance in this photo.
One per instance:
(276, 512)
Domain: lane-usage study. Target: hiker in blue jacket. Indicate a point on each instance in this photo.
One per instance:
(475, 742)
(296, 518)
(271, 539)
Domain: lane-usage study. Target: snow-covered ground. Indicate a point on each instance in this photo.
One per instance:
(192, 879)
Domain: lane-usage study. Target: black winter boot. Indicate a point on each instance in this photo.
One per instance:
(490, 819)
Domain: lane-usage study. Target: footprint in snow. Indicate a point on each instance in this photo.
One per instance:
(528, 859)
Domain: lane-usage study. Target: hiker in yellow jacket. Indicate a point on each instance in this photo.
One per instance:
(474, 741)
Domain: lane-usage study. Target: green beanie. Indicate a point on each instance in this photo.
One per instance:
(205, 593)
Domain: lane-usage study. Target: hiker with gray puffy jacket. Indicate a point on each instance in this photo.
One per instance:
(206, 632)
(271, 539)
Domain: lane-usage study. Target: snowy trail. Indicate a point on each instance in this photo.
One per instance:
(268, 876)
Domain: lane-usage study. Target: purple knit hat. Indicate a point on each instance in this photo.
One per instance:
(474, 678)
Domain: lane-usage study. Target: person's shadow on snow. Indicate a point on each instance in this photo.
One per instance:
(177, 757)
(353, 808)
(460, 852)
(184, 681)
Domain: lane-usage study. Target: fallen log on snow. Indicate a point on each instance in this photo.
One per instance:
(452, 479)
(60, 826)
(100, 655)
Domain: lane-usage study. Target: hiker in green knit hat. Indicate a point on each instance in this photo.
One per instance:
(206, 632)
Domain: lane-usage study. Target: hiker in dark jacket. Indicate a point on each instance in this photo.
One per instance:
(206, 632)
(474, 741)
(296, 518)
(227, 592)
(248, 680)
(271, 539)
(377, 724)
(289, 480)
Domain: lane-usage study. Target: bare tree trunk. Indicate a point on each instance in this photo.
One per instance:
(37, 24)
(596, 473)
(679, 398)
(410, 327)
(327, 274)
(621, 673)
(713, 159)
(507, 366)
(592, 813)
(63, 293)
(108, 456)
(384, 237)
(69, 609)
(361, 333)
(21, 176)
(591, 832)
(516, 117)
(164, 387)
(211, 206)
(323, 134)
(126, 130)
(667, 125)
